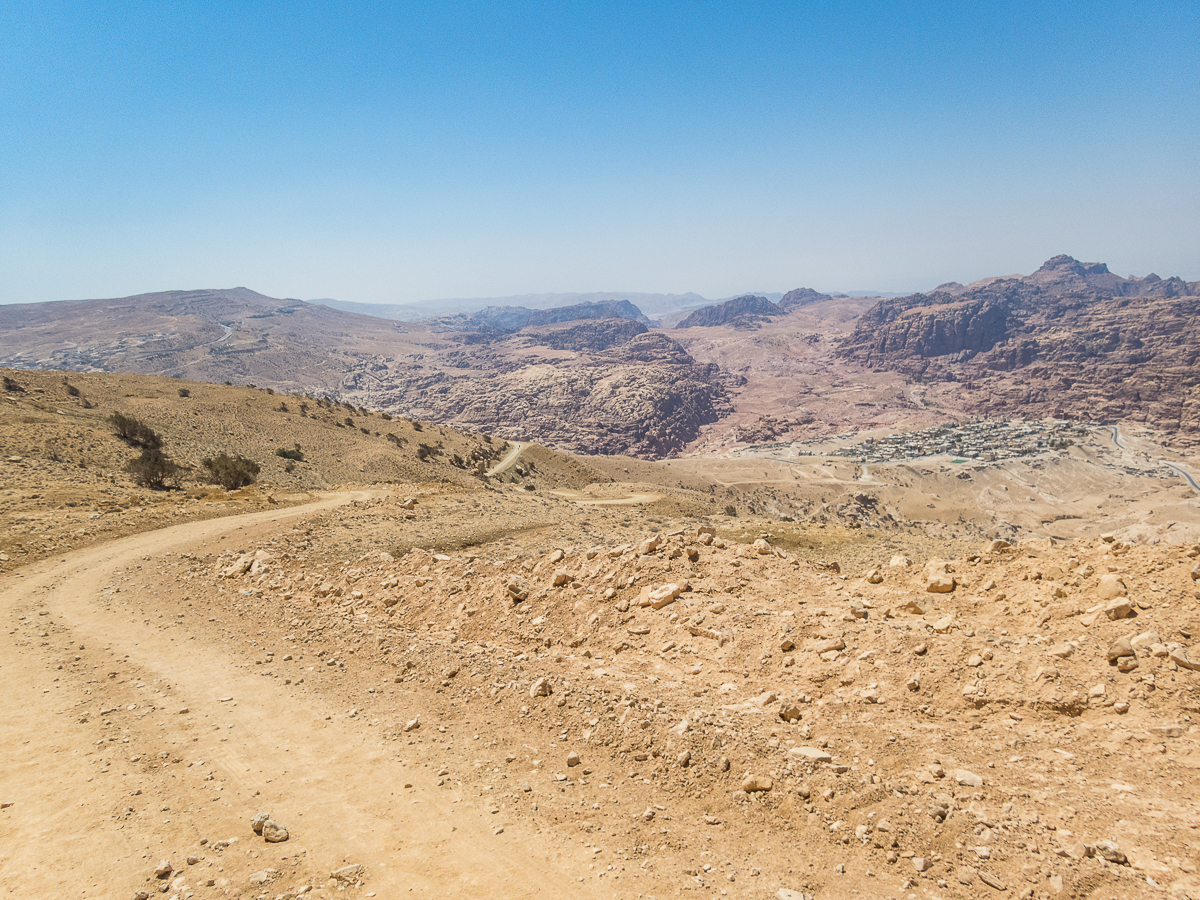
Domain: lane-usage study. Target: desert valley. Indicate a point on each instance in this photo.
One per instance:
(819, 596)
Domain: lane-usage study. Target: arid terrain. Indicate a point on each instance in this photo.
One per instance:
(823, 606)
(950, 662)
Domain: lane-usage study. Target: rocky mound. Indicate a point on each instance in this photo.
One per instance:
(1071, 340)
(801, 297)
(744, 311)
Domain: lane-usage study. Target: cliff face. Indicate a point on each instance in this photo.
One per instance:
(1071, 340)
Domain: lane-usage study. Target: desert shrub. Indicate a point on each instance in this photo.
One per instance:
(295, 454)
(304, 409)
(72, 391)
(268, 390)
(184, 392)
(387, 417)
(290, 467)
(349, 422)
(731, 510)
(231, 472)
(283, 407)
(134, 432)
(10, 385)
(154, 469)
(417, 426)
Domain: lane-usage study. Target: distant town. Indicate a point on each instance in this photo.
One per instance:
(987, 440)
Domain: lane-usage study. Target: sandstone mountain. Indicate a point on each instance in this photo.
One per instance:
(1071, 340)
(740, 311)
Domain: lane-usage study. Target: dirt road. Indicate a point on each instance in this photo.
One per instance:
(132, 733)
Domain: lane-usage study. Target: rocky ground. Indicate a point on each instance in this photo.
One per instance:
(680, 713)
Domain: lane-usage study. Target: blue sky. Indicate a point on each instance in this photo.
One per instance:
(394, 152)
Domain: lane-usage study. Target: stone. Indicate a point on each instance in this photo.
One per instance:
(540, 688)
(992, 881)
(1119, 608)
(412, 724)
(943, 625)
(899, 562)
(831, 644)
(163, 869)
(1111, 851)
(874, 577)
(761, 547)
(572, 759)
(348, 874)
(1127, 663)
(1062, 651)
(258, 821)
(1196, 572)
(561, 578)
(262, 877)
(1119, 648)
(789, 712)
(684, 759)
(1167, 731)
(1110, 587)
(966, 875)
(517, 588)
(789, 894)
(814, 754)
(1145, 640)
(757, 783)
(940, 583)
(650, 545)
(274, 833)
(1180, 657)
(920, 863)
(974, 660)
(967, 779)
(660, 597)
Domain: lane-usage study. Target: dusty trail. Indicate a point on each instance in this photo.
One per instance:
(510, 458)
(91, 817)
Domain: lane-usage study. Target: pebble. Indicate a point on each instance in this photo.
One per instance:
(572, 759)
(348, 874)
(259, 820)
(540, 688)
(163, 869)
(274, 833)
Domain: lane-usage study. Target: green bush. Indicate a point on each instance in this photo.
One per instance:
(154, 469)
(135, 433)
(184, 392)
(290, 454)
(231, 472)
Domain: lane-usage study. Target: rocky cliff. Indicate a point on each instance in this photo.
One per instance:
(1071, 340)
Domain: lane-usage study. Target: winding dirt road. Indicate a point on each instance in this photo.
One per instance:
(131, 732)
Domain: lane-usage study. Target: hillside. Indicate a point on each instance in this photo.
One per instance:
(553, 381)
(1071, 340)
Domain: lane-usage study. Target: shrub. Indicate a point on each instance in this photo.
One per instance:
(135, 433)
(184, 392)
(154, 469)
(417, 426)
(290, 467)
(10, 385)
(283, 407)
(72, 391)
(731, 510)
(231, 472)
(349, 422)
(296, 454)
(386, 417)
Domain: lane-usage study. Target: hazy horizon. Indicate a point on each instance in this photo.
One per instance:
(380, 154)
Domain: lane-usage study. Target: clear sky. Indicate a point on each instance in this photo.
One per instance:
(393, 152)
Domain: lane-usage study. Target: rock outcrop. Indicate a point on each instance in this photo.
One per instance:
(1072, 340)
